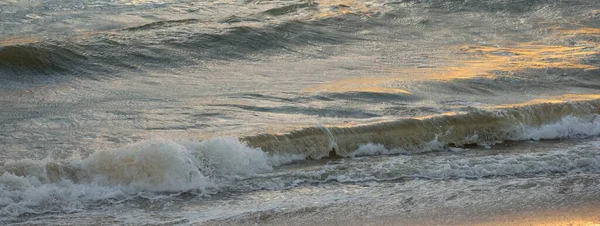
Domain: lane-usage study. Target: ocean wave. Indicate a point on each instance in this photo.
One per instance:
(508, 6)
(477, 126)
(38, 57)
(568, 127)
(228, 164)
(292, 8)
(155, 45)
(48, 185)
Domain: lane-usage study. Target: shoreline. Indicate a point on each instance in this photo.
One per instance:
(571, 201)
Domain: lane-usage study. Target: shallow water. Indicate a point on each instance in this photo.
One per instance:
(244, 112)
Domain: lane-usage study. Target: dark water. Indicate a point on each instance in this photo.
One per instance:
(244, 112)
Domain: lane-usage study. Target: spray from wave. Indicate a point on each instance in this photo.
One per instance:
(41, 186)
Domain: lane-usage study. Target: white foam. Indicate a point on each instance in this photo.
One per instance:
(491, 166)
(374, 149)
(567, 127)
(583, 158)
(33, 186)
(158, 165)
(222, 157)
(148, 166)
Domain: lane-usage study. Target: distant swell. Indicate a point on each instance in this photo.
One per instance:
(38, 57)
(132, 50)
(484, 127)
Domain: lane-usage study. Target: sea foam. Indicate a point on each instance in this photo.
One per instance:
(159, 165)
(204, 167)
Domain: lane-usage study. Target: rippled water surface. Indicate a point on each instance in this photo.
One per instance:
(299, 112)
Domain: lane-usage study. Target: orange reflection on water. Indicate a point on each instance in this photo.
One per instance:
(530, 55)
(551, 100)
(580, 31)
(472, 61)
(18, 40)
(574, 216)
(371, 85)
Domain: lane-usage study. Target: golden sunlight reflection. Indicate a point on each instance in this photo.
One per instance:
(552, 100)
(482, 61)
(581, 216)
(17, 40)
(368, 85)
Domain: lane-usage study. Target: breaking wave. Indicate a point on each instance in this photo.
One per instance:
(477, 126)
(41, 186)
(206, 167)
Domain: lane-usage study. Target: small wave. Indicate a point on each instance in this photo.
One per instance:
(509, 6)
(38, 57)
(237, 42)
(163, 24)
(132, 50)
(479, 126)
(288, 9)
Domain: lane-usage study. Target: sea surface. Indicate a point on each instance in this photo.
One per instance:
(299, 112)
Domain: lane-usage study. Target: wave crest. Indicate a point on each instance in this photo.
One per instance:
(205, 167)
(478, 126)
(37, 186)
(39, 57)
